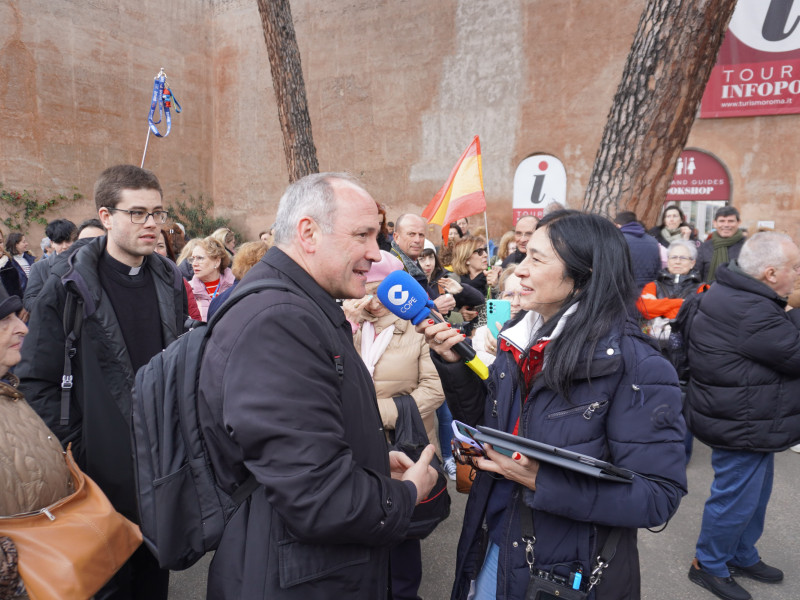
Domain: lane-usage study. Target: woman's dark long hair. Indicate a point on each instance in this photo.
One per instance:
(438, 270)
(597, 259)
(14, 238)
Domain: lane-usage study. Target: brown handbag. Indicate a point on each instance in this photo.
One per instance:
(465, 475)
(73, 547)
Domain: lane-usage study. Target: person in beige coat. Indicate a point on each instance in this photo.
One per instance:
(399, 360)
(33, 473)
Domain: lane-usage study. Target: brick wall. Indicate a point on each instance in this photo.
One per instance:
(396, 90)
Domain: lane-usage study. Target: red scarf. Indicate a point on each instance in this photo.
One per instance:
(211, 287)
(530, 366)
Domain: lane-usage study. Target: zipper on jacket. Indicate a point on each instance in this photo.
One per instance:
(588, 410)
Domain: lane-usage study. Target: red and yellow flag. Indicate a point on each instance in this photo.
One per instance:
(462, 193)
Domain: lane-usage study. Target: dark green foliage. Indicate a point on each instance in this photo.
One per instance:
(195, 214)
(24, 208)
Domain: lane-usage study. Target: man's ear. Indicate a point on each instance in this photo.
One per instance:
(105, 217)
(308, 234)
(770, 275)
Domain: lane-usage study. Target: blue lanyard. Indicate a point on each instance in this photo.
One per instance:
(162, 100)
(214, 295)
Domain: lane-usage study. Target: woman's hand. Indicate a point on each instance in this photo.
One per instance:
(354, 309)
(518, 468)
(441, 337)
(489, 341)
(450, 286)
(492, 275)
(686, 231)
(468, 313)
(445, 303)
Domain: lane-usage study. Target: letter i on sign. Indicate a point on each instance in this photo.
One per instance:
(538, 182)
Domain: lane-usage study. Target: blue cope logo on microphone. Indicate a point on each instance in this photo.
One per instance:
(398, 296)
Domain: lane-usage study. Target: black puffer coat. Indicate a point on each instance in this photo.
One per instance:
(677, 286)
(744, 351)
(628, 413)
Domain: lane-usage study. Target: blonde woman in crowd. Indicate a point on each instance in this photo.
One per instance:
(212, 276)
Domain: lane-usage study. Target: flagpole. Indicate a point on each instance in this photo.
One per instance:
(486, 226)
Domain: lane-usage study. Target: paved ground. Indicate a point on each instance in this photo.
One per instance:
(665, 556)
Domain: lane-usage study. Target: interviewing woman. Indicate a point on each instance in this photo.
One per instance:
(572, 370)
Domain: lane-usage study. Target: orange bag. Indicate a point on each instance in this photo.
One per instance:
(465, 474)
(72, 548)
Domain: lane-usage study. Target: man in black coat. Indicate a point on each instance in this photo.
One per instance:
(133, 303)
(274, 403)
(744, 401)
(61, 233)
(644, 249)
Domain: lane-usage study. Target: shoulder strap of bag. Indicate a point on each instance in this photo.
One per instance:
(72, 321)
(279, 284)
(602, 560)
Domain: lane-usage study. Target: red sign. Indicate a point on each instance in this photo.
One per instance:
(699, 176)
(758, 67)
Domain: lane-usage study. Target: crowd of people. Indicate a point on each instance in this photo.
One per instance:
(302, 389)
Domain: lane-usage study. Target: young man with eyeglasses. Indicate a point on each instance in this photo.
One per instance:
(133, 304)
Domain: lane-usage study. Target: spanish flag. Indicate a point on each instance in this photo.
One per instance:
(462, 193)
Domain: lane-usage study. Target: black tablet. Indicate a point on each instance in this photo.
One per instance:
(553, 455)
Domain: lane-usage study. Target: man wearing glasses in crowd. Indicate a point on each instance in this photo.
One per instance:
(133, 304)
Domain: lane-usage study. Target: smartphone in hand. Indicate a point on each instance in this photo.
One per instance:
(497, 311)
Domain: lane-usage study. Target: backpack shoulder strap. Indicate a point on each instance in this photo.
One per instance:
(260, 285)
(250, 484)
(72, 320)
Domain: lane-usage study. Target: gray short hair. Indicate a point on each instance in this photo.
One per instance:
(690, 247)
(763, 250)
(312, 196)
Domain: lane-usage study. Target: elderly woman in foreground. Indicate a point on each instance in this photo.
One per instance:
(32, 468)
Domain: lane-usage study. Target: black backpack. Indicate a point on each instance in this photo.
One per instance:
(409, 436)
(183, 511)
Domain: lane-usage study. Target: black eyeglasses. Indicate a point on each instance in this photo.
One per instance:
(139, 217)
(480, 251)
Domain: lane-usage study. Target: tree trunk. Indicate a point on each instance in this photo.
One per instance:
(671, 58)
(290, 90)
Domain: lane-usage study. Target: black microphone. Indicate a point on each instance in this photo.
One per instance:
(405, 298)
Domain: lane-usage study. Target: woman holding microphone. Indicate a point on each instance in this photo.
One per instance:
(573, 371)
